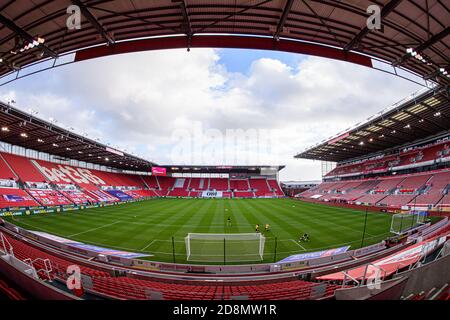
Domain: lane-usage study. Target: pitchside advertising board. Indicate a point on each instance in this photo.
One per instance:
(212, 194)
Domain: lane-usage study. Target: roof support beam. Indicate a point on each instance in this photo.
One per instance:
(424, 119)
(284, 15)
(388, 8)
(17, 134)
(93, 21)
(25, 35)
(322, 21)
(400, 139)
(187, 29)
(426, 44)
(435, 110)
(411, 125)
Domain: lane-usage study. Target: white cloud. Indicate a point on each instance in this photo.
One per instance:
(140, 101)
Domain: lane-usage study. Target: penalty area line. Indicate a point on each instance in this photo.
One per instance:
(93, 229)
(298, 244)
(151, 242)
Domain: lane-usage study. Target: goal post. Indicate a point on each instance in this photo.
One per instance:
(226, 247)
(402, 222)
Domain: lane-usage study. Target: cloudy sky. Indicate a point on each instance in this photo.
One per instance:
(211, 106)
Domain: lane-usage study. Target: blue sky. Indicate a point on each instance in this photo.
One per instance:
(240, 60)
(209, 106)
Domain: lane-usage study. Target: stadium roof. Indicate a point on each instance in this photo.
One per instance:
(25, 130)
(417, 117)
(333, 29)
(222, 168)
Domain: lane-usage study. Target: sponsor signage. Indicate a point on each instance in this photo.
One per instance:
(106, 251)
(159, 171)
(58, 173)
(53, 237)
(314, 255)
(212, 194)
(13, 198)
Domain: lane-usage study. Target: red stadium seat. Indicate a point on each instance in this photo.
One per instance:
(13, 197)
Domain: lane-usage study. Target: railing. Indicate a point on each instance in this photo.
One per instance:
(47, 266)
(6, 247)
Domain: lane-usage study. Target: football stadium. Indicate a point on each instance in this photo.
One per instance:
(81, 219)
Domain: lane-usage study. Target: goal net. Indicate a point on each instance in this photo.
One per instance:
(229, 247)
(403, 222)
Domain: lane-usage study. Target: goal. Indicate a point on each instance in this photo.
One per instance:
(226, 247)
(402, 222)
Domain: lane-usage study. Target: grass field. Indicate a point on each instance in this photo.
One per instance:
(149, 226)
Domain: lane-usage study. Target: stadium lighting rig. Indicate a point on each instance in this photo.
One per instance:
(422, 58)
(417, 55)
(37, 41)
(444, 72)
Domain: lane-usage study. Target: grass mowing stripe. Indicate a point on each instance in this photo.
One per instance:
(148, 226)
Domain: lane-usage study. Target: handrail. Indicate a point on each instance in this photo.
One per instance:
(47, 265)
(5, 242)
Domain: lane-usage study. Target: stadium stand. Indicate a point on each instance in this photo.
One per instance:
(119, 194)
(219, 184)
(10, 291)
(49, 197)
(180, 188)
(151, 182)
(239, 185)
(23, 168)
(445, 201)
(199, 184)
(101, 195)
(14, 197)
(59, 265)
(61, 184)
(275, 187)
(143, 193)
(123, 287)
(435, 189)
(420, 189)
(243, 194)
(417, 157)
(66, 174)
(77, 196)
(260, 187)
(6, 172)
(165, 184)
(53, 265)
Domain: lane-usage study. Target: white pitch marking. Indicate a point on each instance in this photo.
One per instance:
(298, 244)
(93, 229)
(151, 242)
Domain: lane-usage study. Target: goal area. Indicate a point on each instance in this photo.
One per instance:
(226, 247)
(402, 222)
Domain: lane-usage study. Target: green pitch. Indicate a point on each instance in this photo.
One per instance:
(149, 226)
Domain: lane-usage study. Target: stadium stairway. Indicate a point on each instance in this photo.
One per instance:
(6, 171)
(23, 168)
